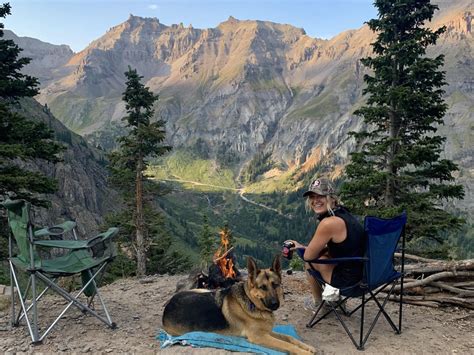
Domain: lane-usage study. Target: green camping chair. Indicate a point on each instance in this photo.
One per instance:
(86, 257)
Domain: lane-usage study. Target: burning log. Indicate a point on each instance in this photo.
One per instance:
(222, 272)
(224, 268)
(222, 256)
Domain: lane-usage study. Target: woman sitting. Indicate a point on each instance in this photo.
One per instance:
(337, 235)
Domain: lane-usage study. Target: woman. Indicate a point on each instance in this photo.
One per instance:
(337, 235)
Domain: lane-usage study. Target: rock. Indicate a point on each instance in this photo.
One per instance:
(4, 302)
(62, 347)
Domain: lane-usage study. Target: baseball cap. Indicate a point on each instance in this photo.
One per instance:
(321, 186)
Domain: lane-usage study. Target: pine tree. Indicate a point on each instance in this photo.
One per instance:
(399, 164)
(128, 164)
(21, 139)
(206, 244)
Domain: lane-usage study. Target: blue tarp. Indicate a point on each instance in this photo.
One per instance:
(227, 342)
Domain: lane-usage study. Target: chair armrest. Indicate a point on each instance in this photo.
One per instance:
(57, 229)
(64, 244)
(300, 252)
(78, 244)
(110, 233)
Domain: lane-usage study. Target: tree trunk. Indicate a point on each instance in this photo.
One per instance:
(140, 225)
(394, 129)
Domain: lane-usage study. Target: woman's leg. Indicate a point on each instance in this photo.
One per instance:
(326, 272)
(314, 285)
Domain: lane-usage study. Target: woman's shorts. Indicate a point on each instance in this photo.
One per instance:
(344, 277)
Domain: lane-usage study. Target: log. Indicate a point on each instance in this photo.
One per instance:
(420, 303)
(442, 300)
(223, 255)
(438, 266)
(416, 258)
(464, 284)
(459, 291)
(421, 290)
(435, 277)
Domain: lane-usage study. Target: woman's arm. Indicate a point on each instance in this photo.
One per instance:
(328, 228)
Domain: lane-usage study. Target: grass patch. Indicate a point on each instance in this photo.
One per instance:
(186, 167)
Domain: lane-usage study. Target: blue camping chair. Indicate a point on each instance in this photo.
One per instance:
(383, 236)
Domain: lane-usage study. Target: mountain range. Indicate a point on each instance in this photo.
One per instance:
(247, 88)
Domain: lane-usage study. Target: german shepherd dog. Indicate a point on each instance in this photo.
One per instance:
(244, 309)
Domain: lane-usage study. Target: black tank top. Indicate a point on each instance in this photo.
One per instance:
(353, 245)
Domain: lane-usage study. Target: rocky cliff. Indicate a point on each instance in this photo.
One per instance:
(250, 86)
(82, 193)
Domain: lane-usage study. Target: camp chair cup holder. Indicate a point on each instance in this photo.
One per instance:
(98, 247)
(89, 258)
(379, 274)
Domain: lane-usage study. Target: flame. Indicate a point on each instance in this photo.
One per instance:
(222, 260)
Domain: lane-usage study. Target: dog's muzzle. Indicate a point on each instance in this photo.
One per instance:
(272, 304)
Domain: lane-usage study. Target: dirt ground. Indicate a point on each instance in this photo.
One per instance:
(137, 305)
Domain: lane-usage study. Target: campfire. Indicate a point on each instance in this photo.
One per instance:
(223, 257)
(222, 272)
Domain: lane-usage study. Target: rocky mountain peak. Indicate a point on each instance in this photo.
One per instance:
(247, 86)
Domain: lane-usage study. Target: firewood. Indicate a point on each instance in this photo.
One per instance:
(435, 277)
(223, 255)
(442, 300)
(415, 258)
(465, 284)
(459, 291)
(439, 266)
(417, 303)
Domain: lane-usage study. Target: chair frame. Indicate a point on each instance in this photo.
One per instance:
(30, 312)
(364, 289)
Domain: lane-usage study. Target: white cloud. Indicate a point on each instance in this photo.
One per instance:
(153, 7)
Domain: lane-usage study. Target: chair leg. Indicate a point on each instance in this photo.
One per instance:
(382, 310)
(22, 303)
(35, 308)
(343, 323)
(21, 315)
(362, 320)
(12, 291)
(400, 310)
(311, 322)
(104, 307)
(74, 301)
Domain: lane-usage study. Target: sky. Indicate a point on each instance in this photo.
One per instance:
(79, 22)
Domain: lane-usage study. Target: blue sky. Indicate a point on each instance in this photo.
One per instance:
(79, 22)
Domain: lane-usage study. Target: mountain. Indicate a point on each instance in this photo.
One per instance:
(247, 87)
(83, 194)
(47, 60)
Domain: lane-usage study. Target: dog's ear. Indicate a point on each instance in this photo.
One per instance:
(276, 265)
(252, 269)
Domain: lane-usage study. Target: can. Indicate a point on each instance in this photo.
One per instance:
(286, 251)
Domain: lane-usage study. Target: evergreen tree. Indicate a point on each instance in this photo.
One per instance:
(206, 244)
(399, 164)
(21, 140)
(128, 164)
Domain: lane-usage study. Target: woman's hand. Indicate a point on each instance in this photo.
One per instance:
(297, 244)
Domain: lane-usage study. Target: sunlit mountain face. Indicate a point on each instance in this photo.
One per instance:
(246, 92)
